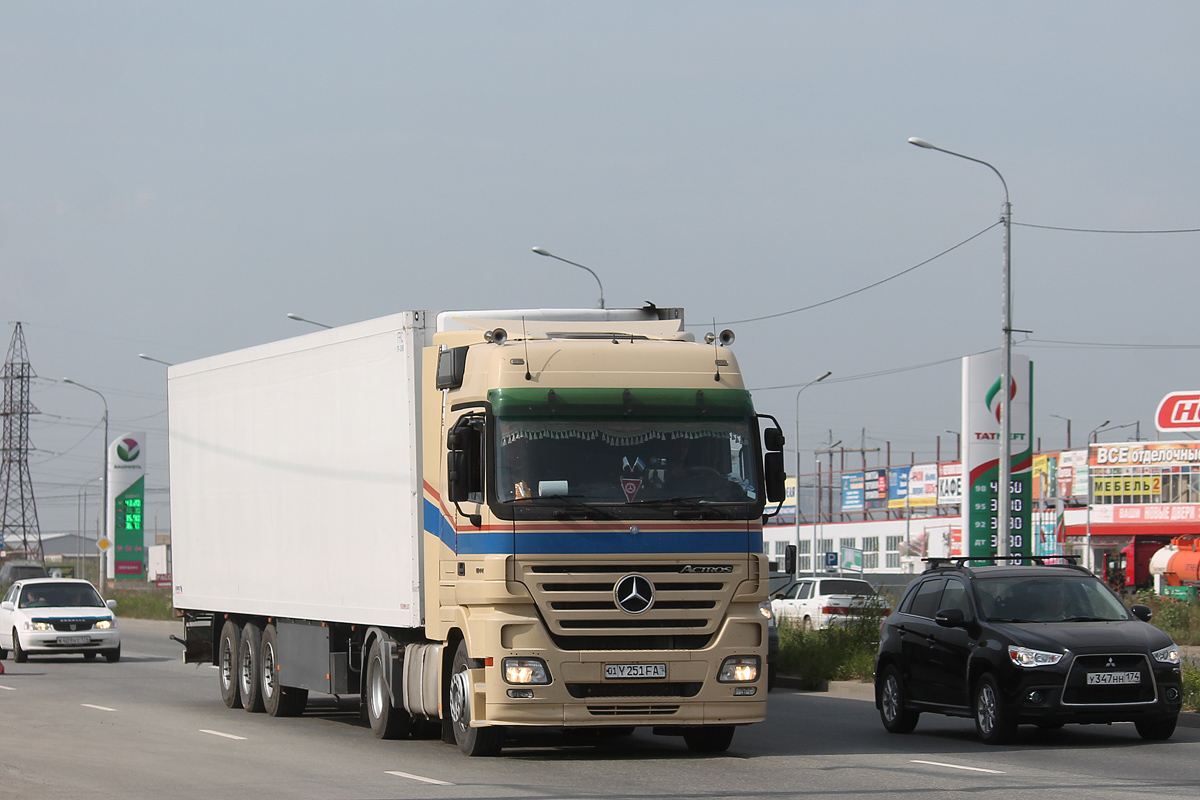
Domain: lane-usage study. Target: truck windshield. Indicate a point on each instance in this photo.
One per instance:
(625, 461)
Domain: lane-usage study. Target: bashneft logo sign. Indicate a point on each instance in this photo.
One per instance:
(128, 450)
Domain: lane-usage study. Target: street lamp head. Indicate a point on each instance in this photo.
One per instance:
(823, 377)
(541, 251)
(920, 143)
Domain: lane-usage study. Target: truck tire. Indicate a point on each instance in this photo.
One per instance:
(227, 659)
(278, 700)
(249, 668)
(472, 741)
(387, 721)
(709, 738)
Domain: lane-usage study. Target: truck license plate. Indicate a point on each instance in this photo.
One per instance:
(74, 639)
(1113, 678)
(635, 670)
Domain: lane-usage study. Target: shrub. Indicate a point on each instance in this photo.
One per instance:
(844, 652)
(1179, 619)
(142, 603)
(1191, 686)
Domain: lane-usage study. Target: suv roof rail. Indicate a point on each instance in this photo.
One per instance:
(964, 562)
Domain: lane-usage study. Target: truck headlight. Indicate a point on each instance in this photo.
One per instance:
(104, 624)
(1027, 657)
(1168, 655)
(738, 669)
(525, 670)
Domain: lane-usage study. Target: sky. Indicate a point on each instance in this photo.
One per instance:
(175, 178)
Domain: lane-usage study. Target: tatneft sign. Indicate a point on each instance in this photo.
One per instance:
(981, 403)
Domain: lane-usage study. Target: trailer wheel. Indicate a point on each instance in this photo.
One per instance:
(227, 658)
(279, 701)
(472, 741)
(249, 673)
(387, 721)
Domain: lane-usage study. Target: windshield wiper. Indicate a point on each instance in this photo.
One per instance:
(692, 502)
(1089, 619)
(572, 501)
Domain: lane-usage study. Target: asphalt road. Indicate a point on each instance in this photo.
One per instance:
(152, 727)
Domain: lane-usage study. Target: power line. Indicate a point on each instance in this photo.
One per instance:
(1102, 230)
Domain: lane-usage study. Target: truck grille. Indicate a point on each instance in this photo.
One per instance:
(1077, 691)
(631, 711)
(579, 604)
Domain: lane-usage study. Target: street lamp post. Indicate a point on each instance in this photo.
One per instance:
(101, 577)
(296, 317)
(1005, 478)
(1097, 429)
(817, 458)
(957, 444)
(1056, 416)
(541, 251)
(798, 391)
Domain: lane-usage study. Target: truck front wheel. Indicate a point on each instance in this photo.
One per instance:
(472, 741)
(709, 738)
(387, 721)
(227, 659)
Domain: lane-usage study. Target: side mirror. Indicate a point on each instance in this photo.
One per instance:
(1142, 612)
(775, 477)
(951, 618)
(111, 603)
(773, 439)
(464, 475)
(789, 559)
(7, 605)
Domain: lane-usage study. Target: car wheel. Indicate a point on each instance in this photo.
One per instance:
(709, 738)
(1156, 730)
(895, 717)
(19, 655)
(472, 741)
(227, 659)
(278, 700)
(249, 681)
(994, 723)
(387, 722)
(114, 655)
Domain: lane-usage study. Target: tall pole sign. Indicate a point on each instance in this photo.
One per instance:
(126, 499)
(981, 432)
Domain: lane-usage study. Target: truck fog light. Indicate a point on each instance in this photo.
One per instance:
(525, 670)
(738, 669)
(744, 691)
(521, 694)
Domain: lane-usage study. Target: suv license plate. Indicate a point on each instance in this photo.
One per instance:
(635, 670)
(74, 639)
(1113, 678)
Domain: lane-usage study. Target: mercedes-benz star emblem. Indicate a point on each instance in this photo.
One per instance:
(634, 594)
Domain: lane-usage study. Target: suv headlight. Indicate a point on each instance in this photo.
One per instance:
(525, 670)
(1026, 657)
(1168, 655)
(104, 624)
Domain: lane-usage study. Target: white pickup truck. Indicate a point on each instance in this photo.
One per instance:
(821, 602)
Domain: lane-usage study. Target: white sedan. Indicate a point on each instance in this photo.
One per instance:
(51, 616)
(821, 602)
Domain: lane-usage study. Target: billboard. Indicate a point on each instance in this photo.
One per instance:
(1178, 411)
(897, 487)
(981, 426)
(949, 487)
(923, 485)
(852, 491)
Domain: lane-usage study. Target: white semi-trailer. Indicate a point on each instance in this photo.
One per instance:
(489, 520)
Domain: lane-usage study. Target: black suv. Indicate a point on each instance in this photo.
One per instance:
(1021, 641)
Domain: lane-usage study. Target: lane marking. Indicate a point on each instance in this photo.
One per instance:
(218, 733)
(410, 776)
(8, 688)
(98, 708)
(959, 766)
